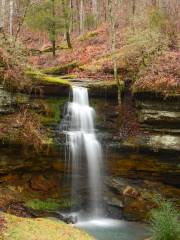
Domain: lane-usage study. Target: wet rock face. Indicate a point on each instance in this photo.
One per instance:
(158, 123)
(135, 197)
(161, 167)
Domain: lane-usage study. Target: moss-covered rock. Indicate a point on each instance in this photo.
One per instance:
(48, 85)
(42, 229)
(43, 78)
(54, 109)
(62, 69)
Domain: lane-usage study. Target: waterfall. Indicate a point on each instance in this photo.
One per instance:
(84, 150)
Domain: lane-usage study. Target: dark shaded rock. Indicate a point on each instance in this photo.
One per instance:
(17, 208)
(113, 212)
(136, 165)
(69, 219)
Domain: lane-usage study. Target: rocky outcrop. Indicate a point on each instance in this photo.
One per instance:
(136, 165)
(135, 198)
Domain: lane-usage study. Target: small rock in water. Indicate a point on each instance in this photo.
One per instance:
(69, 219)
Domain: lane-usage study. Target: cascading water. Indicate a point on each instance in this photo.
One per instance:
(84, 150)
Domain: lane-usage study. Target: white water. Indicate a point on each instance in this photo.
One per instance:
(84, 149)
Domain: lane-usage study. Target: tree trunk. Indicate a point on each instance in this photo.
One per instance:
(11, 12)
(2, 14)
(53, 30)
(20, 23)
(95, 10)
(66, 23)
(54, 47)
(68, 39)
(112, 19)
(133, 13)
(81, 14)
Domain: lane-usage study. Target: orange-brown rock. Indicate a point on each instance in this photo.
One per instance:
(41, 183)
(131, 192)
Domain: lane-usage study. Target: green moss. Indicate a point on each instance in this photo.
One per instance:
(63, 69)
(42, 229)
(69, 76)
(56, 108)
(88, 36)
(37, 204)
(40, 77)
(48, 204)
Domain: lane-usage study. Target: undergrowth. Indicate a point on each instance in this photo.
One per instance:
(164, 221)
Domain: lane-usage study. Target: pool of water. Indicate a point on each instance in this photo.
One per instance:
(110, 229)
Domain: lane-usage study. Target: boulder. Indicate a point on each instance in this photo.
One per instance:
(131, 192)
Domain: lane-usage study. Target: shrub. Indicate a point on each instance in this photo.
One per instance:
(164, 221)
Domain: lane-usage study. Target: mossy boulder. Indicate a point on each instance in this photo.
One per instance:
(62, 69)
(17, 228)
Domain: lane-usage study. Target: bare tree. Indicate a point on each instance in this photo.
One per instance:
(11, 13)
(113, 6)
(81, 16)
(95, 10)
(21, 13)
(67, 19)
(2, 14)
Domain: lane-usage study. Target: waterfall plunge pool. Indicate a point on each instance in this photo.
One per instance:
(111, 229)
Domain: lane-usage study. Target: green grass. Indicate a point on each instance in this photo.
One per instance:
(40, 229)
(164, 221)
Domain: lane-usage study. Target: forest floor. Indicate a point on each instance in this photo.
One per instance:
(92, 54)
